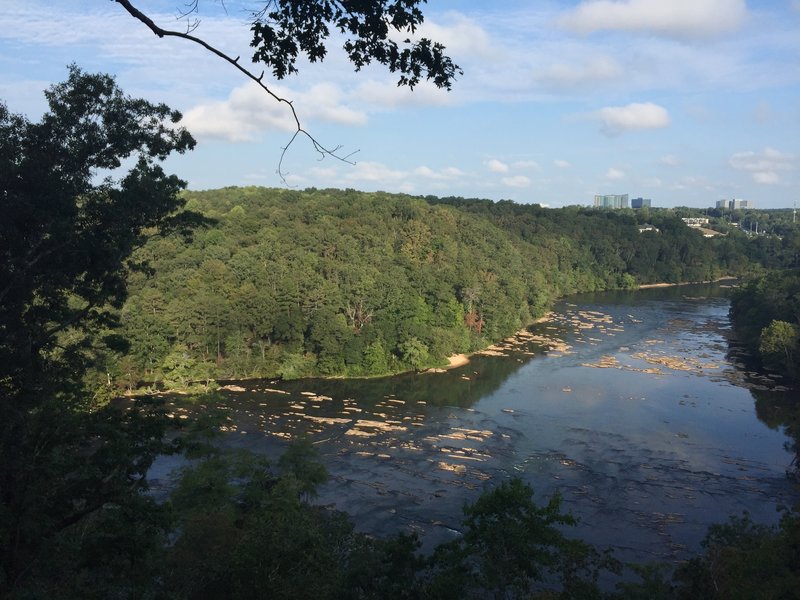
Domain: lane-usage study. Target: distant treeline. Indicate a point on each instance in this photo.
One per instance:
(344, 283)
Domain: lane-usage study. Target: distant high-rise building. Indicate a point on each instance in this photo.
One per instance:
(611, 201)
(735, 204)
(641, 202)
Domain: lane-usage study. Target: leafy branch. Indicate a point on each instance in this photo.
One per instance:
(282, 30)
(258, 79)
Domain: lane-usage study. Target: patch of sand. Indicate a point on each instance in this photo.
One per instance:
(457, 360)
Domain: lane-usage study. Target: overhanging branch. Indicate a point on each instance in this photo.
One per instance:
(258, 79)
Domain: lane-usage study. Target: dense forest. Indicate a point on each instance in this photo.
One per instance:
(344, 283)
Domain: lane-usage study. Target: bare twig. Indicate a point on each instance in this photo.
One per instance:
(299, 130)
(192, 8)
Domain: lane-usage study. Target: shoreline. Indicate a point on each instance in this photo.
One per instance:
(459, 360)
(648, 286)
(454, 361)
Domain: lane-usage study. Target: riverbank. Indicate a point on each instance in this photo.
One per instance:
(454, 361)
(647, 286)
(459, 360)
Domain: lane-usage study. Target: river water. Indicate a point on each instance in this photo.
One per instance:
(633, 406)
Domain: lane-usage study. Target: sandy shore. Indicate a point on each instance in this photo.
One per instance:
(646, 286)
(459, 360)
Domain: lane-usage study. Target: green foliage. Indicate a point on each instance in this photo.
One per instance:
(779, 344)
(296, 366)
(73, 520)
(245, 533)
(512, 548)
(742, 559)
(414, 353)
(338, 282)
(298, 461)
(284, 29)
(766, 315)
(374, 360)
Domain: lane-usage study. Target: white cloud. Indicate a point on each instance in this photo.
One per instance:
(374, 172)
(517, 181)
(526, 164)
(387, 94)
(453, 172)
(446, 174)
(651, 182)
(691, 182)
(615, 174)
(324, 101)
(377, 175)
(248, 111)
(293, 180)
(459, 34)
(765, 166)
(425, 172)
(495, 166)
(258, 177)
(31, 24)
(768, 177)
(323, 172)
(561, 164)
(638, 115)
(594, 70)
(676, 18)
(670, 160)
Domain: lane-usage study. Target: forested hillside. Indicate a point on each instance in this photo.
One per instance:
(289, 283)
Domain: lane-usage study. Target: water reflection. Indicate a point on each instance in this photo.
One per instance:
(627, 403)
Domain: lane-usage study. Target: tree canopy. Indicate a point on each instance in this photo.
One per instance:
(340, 282)
(66, 239)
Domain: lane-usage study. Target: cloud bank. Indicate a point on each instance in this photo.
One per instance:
(249, 111)
(637, 115)
(765, 166)
(672, 18)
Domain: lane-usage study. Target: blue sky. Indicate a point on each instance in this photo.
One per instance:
(682, 101)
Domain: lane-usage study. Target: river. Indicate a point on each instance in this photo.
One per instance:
(633, 406)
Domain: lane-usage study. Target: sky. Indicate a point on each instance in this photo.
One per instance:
(685, 102)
